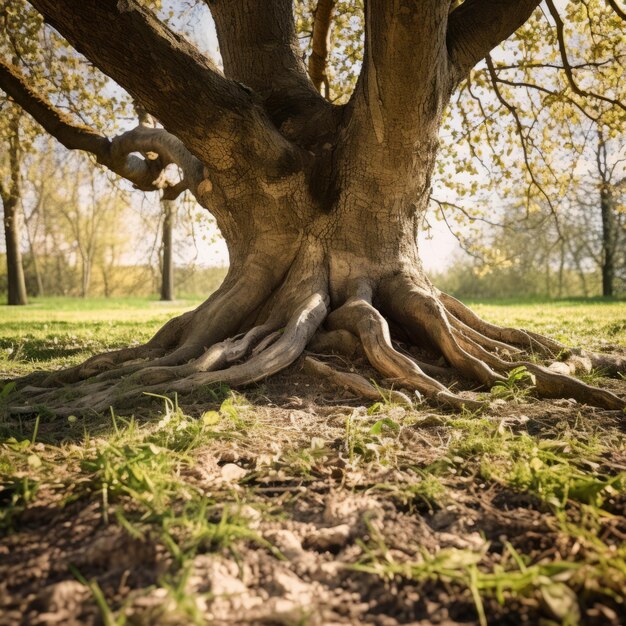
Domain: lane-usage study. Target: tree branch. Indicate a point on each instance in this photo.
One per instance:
(520, 131)
(318, 60)
(477, 26)
(115, 154)
(618, 10)
(259, 48)
(567, 68)
(258, 44)
(168, 76)
(495, 78)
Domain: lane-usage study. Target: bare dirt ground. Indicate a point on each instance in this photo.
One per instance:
(290, 511)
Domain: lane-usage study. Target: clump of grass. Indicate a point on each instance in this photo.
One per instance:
(304, 462)
(20, 469)
(200, 527)
(517, 386)
(179, 432)
(427, 490)
(554, 470)
(555, 583)
(138, 470)
(367, 442)
(15, 494)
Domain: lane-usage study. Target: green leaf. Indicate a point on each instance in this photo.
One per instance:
(377, 428)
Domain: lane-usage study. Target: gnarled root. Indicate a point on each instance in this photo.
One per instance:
(259, 323)
(359, 317)
(485, 342)
(355, 383)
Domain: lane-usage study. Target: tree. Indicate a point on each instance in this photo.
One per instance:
(319, 204)
(611, 219)
(167, 250)
(56, 69)
(10, 194)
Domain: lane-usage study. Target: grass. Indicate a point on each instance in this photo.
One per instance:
(513, 577)
(517, 510)
(593, 322)
(57, 332)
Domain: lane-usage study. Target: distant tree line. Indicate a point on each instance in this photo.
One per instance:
(68, 241)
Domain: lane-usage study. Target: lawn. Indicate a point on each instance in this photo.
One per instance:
(290, 502)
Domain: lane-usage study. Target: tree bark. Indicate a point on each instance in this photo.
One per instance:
(167, 258)
(16, 284)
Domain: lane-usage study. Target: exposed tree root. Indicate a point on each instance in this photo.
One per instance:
(355, 383)
(240, 336)
(359, 317)
(528, 340)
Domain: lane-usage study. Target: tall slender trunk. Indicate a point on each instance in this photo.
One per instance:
(105, 282)
(85, 278)
(608, 241)
(167, 259)
(15, 269)
(10, 198)
(561, 272)
(31, 234)
(35, 260)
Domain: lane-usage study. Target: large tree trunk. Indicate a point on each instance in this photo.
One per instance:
(320, 205)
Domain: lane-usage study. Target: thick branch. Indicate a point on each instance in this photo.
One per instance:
(258, 43)
(114, 154)
(259, 48)
(478, 26)
(167, 75)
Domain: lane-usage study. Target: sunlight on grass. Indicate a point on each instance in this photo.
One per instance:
(161, 478)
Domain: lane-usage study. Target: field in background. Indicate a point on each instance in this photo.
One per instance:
(292, 503)
(593, 323)
(61, 331)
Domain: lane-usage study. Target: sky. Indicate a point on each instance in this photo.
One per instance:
(438, 249)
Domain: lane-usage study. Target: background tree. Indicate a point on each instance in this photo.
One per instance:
(612, 217)
(319, 203)
(558, 80)
(10, 193)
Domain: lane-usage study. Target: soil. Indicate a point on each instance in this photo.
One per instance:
(323, 521)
